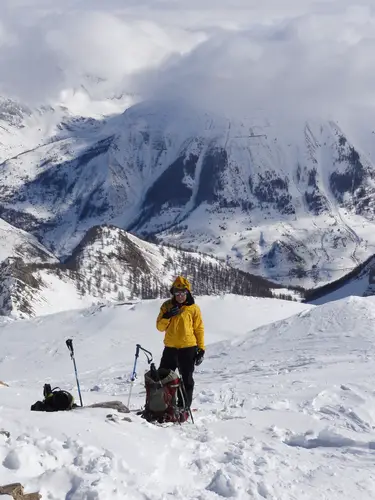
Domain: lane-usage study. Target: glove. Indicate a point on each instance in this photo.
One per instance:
(199, 356)
(172, 312)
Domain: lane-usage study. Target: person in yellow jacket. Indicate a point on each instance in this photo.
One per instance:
(181, 320)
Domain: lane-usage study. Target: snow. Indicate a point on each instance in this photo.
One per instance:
(58, 295)
(150, 137)
(17, 243)
(355, 287)
(284, 398)
(95, 185)
(285, 401)
(90, 93)
(110, 186)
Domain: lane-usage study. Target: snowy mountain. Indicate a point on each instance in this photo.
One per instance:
(18, 243)
(360, 282)
(284, 409)
(233, 143)
(297, 211)
(110, 265)
(23, 129)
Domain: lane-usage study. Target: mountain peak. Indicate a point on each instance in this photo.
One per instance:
(296, 212)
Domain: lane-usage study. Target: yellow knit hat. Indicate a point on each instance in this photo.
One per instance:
(182, 283)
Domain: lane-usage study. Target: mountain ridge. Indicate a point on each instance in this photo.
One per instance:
(298, 213)
(111, 265)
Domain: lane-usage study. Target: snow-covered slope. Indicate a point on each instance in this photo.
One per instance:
(283, 411)
(123, 325)
(20, 244)
(22, 129)
(360, 283)
(28, 290)
(110, 264)
(299, 211)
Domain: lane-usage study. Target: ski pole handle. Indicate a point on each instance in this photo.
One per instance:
(148, 354)
(69, 344)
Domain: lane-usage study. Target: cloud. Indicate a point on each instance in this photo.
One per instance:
(6, 39)
(294, 59)
(103, 45)
(315, 65)
(46, 53)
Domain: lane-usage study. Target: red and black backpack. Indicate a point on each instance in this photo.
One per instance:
(162, 388)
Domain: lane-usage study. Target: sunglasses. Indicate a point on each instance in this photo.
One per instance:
(179, 292)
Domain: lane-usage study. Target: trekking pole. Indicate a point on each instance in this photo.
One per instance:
(184, 394)
(69, 344)
(134, 373)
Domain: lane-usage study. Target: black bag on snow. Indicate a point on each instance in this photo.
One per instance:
(54, 400)
(162, 386)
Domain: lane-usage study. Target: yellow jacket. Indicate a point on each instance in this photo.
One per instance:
(186, 329)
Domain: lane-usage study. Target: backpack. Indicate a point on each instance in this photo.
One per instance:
(54, 400)
(162, 387)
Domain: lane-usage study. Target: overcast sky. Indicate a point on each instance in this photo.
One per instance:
(312, 57)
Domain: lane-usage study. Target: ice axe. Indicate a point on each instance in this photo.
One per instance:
(69, 344)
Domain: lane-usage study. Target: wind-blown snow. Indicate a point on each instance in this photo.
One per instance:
(284, 410)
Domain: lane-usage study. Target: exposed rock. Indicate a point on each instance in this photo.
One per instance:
(114, 405)
(16, 491)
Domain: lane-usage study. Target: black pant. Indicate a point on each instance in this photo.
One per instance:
(184, 360)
